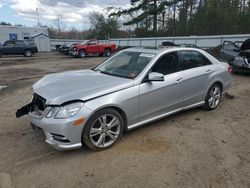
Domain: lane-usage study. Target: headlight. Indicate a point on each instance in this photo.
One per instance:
(69, 110)
(66, 111)
(52, 112)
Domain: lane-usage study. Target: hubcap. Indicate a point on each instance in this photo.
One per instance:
(28, 53)
(214, 97)
(82, 54)
(108, 53)
(105, 130)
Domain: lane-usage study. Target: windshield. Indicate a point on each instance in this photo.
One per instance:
(85, 42)
(126, 64)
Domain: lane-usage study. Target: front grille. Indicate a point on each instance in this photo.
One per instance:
(39, 102)
(38, 105)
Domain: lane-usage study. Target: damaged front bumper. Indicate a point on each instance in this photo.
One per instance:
(241, 64)
(62, 134)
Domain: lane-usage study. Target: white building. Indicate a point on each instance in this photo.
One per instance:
(38, 35)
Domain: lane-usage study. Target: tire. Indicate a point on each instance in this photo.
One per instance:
(103, 135)
(107, 52)
(213, 97)
(82, 53)
(27, 53)
(0, 54)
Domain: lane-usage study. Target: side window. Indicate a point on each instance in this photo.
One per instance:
(192, 59)
(167, 64)
(9, 43)
(19, 43)
(92, 43)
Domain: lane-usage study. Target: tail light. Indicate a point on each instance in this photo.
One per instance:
(230, 69)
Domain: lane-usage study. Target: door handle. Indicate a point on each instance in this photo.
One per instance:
(208, 71)
(179, 80)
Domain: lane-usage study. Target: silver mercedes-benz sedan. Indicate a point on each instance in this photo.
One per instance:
(132, 88)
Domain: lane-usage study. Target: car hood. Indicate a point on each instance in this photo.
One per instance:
(78, 85)
(245, 45)
(81, 46)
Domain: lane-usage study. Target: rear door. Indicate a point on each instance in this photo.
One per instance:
(19, 47)
(160, 97)
(196, 70)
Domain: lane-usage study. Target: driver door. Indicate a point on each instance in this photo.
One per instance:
(161, 97)
(93, 47)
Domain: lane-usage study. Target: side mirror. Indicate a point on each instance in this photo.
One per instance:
(155, 76)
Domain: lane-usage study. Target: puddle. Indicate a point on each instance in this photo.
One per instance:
(3, 87)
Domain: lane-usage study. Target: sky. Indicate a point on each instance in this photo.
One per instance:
(73, 12)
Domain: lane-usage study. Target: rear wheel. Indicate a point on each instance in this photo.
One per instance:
(103, 130)
(107, 52)
(82, 53)
(28, 53)
(213, 97)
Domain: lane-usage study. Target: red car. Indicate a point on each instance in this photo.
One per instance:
(92, 47)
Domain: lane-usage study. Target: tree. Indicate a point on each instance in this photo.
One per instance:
(5, 23)
(103, 28)
(59, 23)
(146, 10)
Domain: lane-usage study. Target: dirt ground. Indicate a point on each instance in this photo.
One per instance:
(195, 148)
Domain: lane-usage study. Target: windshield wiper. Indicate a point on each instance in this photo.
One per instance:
(113, 74)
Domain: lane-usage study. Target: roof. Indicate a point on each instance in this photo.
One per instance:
(40, 35)
(159, 50)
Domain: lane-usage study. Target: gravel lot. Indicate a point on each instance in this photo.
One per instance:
(195, 148)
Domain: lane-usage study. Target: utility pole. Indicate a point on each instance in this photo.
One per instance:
(38, 17)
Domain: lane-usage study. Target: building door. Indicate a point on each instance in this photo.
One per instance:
(13, 36)
(42, 44)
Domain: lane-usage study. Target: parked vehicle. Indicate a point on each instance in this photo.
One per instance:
(134, 87)
(237, 54)
(169, 44)
(92, 47)
(188, 45)
(230, 50)
(18, 47)
(241, 63)
(64, 49)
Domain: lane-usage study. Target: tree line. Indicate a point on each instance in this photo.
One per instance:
(186, 17)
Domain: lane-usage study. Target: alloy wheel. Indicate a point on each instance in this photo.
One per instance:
(105, 130)
(28, 53)
(214, 97)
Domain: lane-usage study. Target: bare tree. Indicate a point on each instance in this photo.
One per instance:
(59, 23)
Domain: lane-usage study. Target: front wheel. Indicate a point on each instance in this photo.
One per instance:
(82, 53)
(28, 53)
(107, 52)
(103, 130)
(213, 97)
